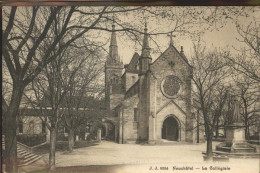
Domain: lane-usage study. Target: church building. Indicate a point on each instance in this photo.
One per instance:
(148, 101)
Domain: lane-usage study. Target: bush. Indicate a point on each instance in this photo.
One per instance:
(61, 137)
(92, 136)
(31, 140)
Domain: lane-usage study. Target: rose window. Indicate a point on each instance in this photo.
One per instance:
(170, 86)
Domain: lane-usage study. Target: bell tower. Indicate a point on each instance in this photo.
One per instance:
(113, 70)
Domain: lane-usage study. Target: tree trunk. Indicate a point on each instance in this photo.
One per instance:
(71, 140)
(217, 128)
(198, 127)
(52, 148)
(247, 128)
(11, 149)
(209, 147)
(11, 124)
(246, 118)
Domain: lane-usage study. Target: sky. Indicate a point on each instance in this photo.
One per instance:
(224, 38)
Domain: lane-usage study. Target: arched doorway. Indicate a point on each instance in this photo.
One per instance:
(170, 129)
(103, 131)
(110, 129)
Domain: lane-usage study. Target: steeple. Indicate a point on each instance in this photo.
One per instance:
(145, 49)
(145, 58)
(113, 49)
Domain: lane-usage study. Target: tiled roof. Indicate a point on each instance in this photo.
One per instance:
(132, 66)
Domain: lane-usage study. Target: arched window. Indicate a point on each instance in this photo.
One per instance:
(137, 66)
(115, 85)
(114, 79)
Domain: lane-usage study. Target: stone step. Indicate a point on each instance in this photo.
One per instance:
(28, 162)
(237, 155)
(21, 152)
(244, 150)
(31, 158)
(24, 157)
(225, 149)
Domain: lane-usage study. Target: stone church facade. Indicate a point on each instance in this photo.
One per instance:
(148, 101)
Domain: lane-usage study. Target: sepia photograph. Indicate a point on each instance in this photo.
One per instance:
(125, 89)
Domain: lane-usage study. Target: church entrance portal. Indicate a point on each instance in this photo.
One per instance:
(170, 129)
(107, 131)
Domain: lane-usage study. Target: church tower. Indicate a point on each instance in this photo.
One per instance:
(144, 73)
(113, 72)
(145, 58)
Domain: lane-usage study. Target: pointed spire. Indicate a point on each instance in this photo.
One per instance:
(145, 58)
(113, 49)
(146, 48)
(113, 36)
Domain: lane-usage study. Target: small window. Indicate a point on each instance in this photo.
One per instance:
(117, 113)
(31, 127)
(135, 114)
(137, 66)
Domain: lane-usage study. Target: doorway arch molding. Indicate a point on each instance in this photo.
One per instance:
(178, 123)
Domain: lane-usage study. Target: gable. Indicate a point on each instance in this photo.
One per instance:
(172, 104)
(171, 56)
(133, 65)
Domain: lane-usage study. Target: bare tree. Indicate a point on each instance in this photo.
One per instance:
(208, 76)
(227, 112)
(51, 87)
(26, 31)
(84, 84)
(247, 91)
(219, 104)
(247, 61)
(29, 30)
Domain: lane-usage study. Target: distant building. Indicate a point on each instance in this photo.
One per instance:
(31, 120)
(148, 101)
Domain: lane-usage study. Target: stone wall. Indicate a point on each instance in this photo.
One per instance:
(143, 115)
(130, 80)
(170, 63)
(115, 100)
(32, 125)
(129, 125)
